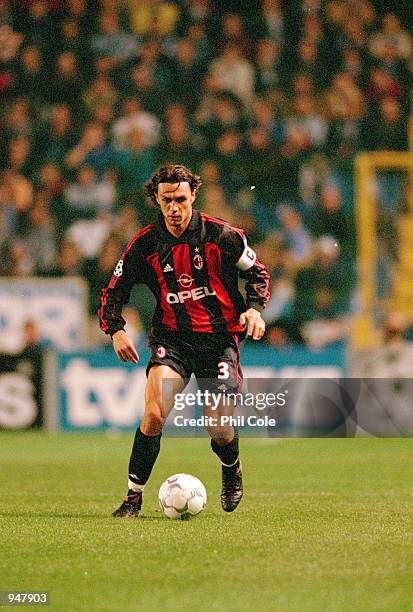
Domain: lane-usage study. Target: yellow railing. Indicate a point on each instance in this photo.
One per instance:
(365, 333)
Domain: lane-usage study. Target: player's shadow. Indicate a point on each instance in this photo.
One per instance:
(143, 517)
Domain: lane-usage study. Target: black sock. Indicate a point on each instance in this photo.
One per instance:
(145, 451)
(228, 453)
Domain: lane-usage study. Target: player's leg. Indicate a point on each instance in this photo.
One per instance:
(225, 444)
(159, 396)
(224, 375)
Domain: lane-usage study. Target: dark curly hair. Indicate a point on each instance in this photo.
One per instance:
(172, 173)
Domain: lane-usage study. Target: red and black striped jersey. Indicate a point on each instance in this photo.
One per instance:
(194, 277)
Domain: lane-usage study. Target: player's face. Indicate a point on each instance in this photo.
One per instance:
(175, 200)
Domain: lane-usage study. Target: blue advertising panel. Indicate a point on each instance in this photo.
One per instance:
(57, 306)
(97, 392)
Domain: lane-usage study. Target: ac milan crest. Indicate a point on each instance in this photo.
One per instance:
(198, 262)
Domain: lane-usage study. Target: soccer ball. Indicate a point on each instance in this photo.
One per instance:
(182, 496)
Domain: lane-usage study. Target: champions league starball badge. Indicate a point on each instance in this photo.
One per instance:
(161, 351)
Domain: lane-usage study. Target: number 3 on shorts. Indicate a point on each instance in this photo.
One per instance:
(223, 369)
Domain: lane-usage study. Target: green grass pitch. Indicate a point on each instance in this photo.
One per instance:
(325, 525)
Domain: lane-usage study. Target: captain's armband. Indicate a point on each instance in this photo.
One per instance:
(247, 259)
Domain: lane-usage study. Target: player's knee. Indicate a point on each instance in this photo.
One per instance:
(221, 435)
(153, 421)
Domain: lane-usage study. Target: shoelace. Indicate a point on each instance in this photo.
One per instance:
(229, 481)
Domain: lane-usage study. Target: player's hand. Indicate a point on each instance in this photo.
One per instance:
(124, 347)
(255, 324)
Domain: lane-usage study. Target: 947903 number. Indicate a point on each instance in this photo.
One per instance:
(24, 598)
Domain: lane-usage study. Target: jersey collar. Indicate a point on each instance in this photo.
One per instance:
(193, 224)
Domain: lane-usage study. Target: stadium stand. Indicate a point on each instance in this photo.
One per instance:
(96, 94)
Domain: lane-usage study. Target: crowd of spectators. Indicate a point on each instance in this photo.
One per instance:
(268, 100)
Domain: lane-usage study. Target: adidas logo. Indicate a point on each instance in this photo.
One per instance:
(168, 268)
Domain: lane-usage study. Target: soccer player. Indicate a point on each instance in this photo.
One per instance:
(192, 263)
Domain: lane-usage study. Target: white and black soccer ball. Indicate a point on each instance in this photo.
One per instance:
(182, 496)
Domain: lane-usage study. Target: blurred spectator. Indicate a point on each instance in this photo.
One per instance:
(20, 156)
(308, 62)
(309, 120)
(134, 119)
(87, 196)
(197, 35)
(59, 135)
(40, 240)
(6, 16)
(229, 157)
(344, 91)
(67, 85)
(210, 172)
(30, 76)
(92, 149)
(263, 115)
(393, 34)
(71, 39)
(268, 66)
(104, 113)
(262, 167)
(111, 41)
(295, 236)
(344, 136)
(214, 203)
(51, 181)
(135, 162)
(156, 62)
(178, 143)
(273, 21)
(187, 73)
(10, 42)
(18, 121)
(101, 91)
(276, 256)
(125, 225)
(294, 152)
(19, 189)
(78, 10)
(8, 223)
(328, 218)
(387, 130)
(38, 26)
(321, 294)
(142, 86)
(89, 235)
(69, 260)
(353, 34)
(302, 84)
(381, 84)
(19, 262)
(218, 113)
(233, 32)
(234, 73)
(354, 63)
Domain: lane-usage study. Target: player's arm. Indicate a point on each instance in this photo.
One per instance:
(112, 299)
(256, 287)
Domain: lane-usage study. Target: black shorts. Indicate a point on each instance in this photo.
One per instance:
(213, 360)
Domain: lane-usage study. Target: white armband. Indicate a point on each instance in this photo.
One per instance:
(247, 259)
